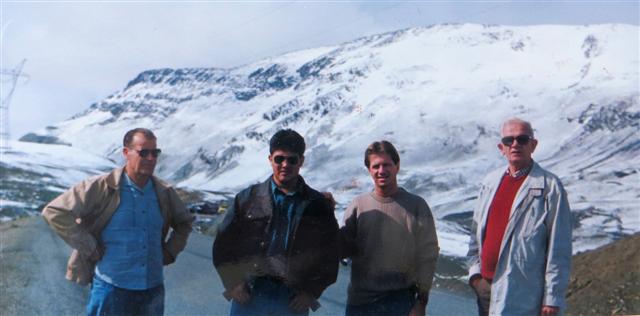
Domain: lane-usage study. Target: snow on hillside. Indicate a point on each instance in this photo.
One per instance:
(33, 174)
(438, 93)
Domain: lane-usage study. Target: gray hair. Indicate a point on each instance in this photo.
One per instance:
(515, 120)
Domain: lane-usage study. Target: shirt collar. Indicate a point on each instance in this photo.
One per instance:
(128, 182)
(276, 190)
(519, 173)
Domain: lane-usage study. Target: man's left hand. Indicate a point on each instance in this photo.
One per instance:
(302, 302)
(167, 257)
(418, 309)
(549, 310)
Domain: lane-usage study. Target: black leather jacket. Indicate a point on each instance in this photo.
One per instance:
(239, 250)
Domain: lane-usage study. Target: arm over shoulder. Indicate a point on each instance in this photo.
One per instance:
(348, 231)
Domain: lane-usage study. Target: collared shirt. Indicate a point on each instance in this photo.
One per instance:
(285, 218)
(133, 239)
(520, 173)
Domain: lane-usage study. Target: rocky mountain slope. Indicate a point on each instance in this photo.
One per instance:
(606, 281)
(438, 93)
(33, 174)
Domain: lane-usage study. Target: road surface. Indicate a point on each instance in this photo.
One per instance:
(33, 262)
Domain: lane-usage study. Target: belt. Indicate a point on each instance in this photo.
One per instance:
(271, 278)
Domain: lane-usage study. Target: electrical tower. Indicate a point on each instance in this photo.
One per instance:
(13, 76)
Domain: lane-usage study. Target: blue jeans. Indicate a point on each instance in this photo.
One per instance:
(267, 298)
(394, 303)
(106, 299)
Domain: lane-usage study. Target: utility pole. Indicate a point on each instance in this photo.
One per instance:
(14, 75)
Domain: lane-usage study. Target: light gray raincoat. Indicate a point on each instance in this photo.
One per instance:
(535, 254)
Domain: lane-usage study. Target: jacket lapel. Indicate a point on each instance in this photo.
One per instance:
(160, 188)
(112, 200)
(532, 187)
(264, 199)
(496, 177)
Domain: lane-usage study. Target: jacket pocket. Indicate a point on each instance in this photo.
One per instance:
(533, 222)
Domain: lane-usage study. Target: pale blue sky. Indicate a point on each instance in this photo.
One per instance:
(79, 52)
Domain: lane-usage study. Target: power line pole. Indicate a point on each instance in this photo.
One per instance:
(14, 75)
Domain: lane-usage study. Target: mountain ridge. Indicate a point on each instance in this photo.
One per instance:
(438, 93)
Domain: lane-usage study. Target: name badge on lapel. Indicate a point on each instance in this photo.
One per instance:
(535, 192)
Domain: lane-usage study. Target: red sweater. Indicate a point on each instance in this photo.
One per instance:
(499, 212)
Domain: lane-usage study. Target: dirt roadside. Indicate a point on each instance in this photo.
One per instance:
(606, 281)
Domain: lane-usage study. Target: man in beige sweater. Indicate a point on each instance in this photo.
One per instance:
(390, 236)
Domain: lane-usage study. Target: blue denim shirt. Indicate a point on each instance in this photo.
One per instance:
(284, 219)
(133, 240)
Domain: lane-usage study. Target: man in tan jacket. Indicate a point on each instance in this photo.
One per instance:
(118, 226)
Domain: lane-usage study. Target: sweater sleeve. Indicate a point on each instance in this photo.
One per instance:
(427, 249)
(348, 231)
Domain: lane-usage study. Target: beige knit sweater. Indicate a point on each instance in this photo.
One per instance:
(392, 243)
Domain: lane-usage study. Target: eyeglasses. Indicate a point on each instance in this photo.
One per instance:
(292, 160)
(146, 152)
(522, 140)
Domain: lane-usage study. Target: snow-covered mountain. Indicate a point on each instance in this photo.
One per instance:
(438, 93)
(33, 174)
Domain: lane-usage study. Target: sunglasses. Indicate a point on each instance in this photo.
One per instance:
(522, 140)
(146, 152)
(292, 160)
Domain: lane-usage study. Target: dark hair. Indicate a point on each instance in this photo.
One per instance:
(381, 147)
(128, 137)
(289, 140)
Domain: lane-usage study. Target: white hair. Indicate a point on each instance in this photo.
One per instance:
(515, 120)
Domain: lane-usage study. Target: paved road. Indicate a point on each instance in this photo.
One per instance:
(32, 267)
(33, 261)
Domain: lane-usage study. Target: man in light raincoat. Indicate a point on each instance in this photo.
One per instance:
(520, 247)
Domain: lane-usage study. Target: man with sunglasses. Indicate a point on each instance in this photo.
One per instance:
(277, 249)
(520, 247)
(118, 226)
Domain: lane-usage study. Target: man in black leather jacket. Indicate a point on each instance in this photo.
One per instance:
(277, 249)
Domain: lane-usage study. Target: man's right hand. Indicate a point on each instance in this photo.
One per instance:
(329, 197)
(482, 287)
(97, 254)
(240, 293)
